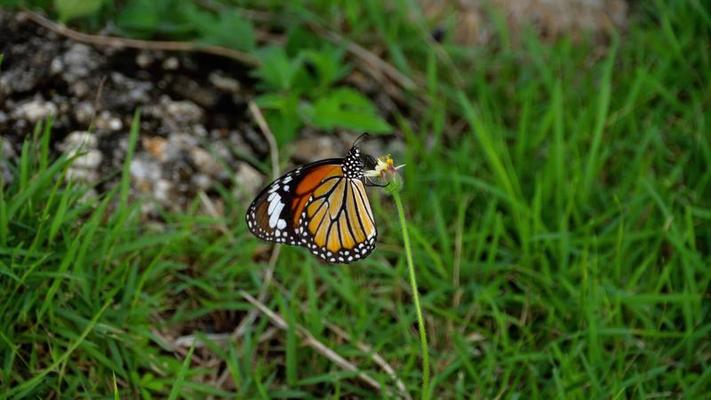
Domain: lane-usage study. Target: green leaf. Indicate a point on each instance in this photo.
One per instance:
(327, 64)
(281, 113)
(180, 380)
(70, 9)
(346, 108)
(230, 30)
(141, 15)
(300, 37)
(277, 71)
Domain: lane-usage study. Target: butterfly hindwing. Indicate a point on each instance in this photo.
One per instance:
(337, 225)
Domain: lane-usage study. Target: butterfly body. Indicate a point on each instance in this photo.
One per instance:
(321, 206)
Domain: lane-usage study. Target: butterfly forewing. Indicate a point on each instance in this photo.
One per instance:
(274, 214)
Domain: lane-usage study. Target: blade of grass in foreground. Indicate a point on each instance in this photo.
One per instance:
(27, 386)
(175, 391)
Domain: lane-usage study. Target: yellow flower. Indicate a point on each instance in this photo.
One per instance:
(386, 171)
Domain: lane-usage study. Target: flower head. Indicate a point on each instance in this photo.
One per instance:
(386, 171)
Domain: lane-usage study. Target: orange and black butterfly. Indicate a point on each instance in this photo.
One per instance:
(321, 206)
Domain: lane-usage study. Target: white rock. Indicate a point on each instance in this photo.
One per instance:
(35, 110)
(182, 111)
(162, 191)
(81, 174)
(84, 112)
(145, 170)
(204, 161)
(171, 64)
(106, 121)
(90, 159)
(78, 140)
(224, 83)
(144, 59)
(247, 181)
(202, 181)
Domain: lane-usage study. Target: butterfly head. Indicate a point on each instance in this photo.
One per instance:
(356, 162)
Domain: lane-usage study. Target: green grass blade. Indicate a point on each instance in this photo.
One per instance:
(30, 384)
(175, 391)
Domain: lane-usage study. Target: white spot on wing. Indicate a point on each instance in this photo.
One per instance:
(274, 217)
(273, 202)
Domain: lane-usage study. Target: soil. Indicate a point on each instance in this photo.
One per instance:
(193, 113)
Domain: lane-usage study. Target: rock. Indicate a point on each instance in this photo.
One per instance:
(145, 172)
(256, 139)
(81, 175)
(80, 89)
(201, 94)
(91, 159)
(205, 162)
(7, 153)
(78, 140)
(84, 112)
(26, 57)
(155, 146)
(77, 67)
(35, 110)
(144, 59)
(171, 64)
(106, 121)
(163, 192)
(6, 150)
(87, 158)
(182, 111)
(223, 82)
(201, 181)
(247, 182)
(125, 92)
(178, 145)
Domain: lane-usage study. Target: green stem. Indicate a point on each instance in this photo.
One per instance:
(416, 298)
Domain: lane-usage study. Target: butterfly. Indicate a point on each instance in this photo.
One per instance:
(321, 206)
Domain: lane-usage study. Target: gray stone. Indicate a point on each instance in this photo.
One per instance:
(35, 110)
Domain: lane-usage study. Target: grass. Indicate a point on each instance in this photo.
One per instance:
(558, 202)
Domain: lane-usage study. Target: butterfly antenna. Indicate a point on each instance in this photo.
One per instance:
(360, 138)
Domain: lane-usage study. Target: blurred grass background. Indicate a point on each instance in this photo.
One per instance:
(557, 192)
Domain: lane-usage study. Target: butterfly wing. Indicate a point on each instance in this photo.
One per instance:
(271, 216)
(337, 224)
(316, 206)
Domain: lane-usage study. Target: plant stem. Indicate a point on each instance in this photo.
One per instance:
(416, 298)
